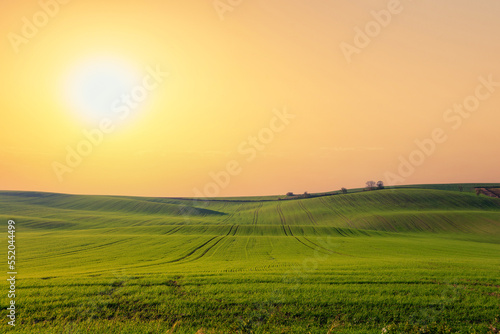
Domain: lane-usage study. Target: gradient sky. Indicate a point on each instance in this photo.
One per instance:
(230, 70)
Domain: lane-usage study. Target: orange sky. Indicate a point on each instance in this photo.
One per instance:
(261, 97)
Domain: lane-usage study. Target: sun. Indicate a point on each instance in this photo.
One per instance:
(92, 85)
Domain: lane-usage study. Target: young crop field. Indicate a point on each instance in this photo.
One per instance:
(402, 260)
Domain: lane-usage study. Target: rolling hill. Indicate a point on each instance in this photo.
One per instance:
(356, 262)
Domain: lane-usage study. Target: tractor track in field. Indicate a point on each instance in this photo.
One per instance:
(339, 231)
(85, 247)
(215, 244)
(386, 222)
(202, 245)
(246, 248)
(317, 248)
(424, 223)
(256, 214)
(235, 230)
(328, 250)
(349, 222)
(452, 223)
(231, 215)
(308, 213)
(282, 217)
(290, 230)
(192, 252)
(174, 230)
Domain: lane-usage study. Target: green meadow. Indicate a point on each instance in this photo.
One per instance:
(420, 259)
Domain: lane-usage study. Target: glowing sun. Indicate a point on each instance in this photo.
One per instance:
(93, 85)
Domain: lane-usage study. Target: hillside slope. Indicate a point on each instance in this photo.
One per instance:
(401, 210)
(356, 262)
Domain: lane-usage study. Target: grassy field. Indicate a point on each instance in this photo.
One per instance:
(420, 259)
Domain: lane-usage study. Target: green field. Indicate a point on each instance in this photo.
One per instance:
(421, 259)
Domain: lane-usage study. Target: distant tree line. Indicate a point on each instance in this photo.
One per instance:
(370, 185)
(304, 195)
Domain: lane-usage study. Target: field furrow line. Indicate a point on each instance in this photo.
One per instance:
(326, 249)
(85, 247)
(339, 231)
(282, 217)
(323, 201)
(427, 226)
(231, 215)
(174, 230)
(206, 250)
(452, 223)
(256, 214)
(193, 251)
(308, 213)
(215, 244)
(246, 248)
(290, 230)
(386, 223)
